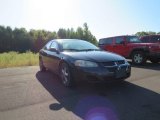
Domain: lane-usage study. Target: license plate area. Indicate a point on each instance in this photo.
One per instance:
(120, 73)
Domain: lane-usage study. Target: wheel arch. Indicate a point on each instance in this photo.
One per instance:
(64, 61)
(144, 50)
(72, 82)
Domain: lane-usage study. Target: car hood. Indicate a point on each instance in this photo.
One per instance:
(96, 56)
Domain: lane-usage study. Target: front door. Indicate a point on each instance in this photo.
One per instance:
(120, 46)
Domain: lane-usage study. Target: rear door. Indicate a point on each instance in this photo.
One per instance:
(145, 39)
(155, 39)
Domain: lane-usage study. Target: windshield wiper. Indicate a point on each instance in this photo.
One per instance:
(90, 50)
(71, 50)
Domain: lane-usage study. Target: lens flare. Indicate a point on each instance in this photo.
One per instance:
(96, 108)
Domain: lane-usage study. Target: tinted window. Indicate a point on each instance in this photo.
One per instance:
(54, 45)
(119, 40)
(133, 39)
(47, 46)
(76, 45)
(106, 41)
(145, 39)
(155, 39)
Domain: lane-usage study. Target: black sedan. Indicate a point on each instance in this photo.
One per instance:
(75, 60)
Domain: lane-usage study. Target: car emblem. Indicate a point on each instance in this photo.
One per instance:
(118, 67)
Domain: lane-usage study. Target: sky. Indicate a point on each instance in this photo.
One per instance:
(105, 18)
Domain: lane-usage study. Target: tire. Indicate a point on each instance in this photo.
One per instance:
(65, 75)
(138, 58)
(41, 66)
(154, 60)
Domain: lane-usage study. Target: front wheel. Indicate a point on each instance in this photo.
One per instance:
(65, 75)
(138, 58)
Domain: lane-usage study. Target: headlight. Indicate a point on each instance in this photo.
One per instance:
(126, 62)
(83, 63)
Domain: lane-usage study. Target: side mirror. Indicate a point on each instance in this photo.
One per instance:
(54, 50)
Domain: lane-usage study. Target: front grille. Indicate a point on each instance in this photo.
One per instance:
(108, 63)
(120, 62)
(113, 63)
(112, 69)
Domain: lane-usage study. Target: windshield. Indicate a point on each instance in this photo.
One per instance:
(133, 39)
(77, 45)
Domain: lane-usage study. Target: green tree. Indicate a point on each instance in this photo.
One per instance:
(151, 33)
(72, 33)
(158, 33)
(2, 38)
(88, 35)
(145, 33)
(80, 33)
(141, 33)
(62, 33)
(51, 36)
(9, 39)
(21, 40)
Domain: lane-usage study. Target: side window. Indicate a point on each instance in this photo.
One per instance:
(119, 40)
(133, 39)
(54, 45)
(47, 46)
(155, 39)
(105, 41)
(158, 38)
(145, 39)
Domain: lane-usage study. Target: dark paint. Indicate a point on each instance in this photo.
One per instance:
(53, 59)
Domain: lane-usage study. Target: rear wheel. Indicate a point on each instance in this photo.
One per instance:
(138, 57)
(65, 75)
(154, 60)
(41, 65)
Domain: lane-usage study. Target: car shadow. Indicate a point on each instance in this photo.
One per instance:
(124, 101)
(147, 65)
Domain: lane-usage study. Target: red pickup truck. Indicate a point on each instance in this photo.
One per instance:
(132, 47)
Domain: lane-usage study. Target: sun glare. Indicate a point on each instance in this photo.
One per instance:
(45, 12)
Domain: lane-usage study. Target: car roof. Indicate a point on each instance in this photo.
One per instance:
(118, 36)
(66, 39)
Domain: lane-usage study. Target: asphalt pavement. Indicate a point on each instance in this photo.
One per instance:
(28, 94)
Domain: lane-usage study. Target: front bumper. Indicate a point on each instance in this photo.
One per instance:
(102, 74)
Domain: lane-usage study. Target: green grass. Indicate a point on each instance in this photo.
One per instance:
(15, 59)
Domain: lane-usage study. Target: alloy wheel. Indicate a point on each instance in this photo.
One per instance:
(65, 75)
(138, 58)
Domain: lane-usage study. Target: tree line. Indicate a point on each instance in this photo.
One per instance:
(21, 40)
(143, 33)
